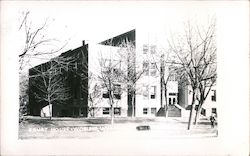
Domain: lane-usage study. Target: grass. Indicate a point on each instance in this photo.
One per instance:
(84, 128)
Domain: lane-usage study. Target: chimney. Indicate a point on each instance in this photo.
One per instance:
(83, 42)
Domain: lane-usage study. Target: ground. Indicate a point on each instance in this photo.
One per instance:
(123, 128)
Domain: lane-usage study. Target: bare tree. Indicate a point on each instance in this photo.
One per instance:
(166, 66)
(35, 41)
(110, 80)
(36, 44)
(131, 72)
(94, 98)
(196, 53)
(49, 82)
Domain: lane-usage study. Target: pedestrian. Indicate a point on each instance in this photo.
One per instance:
(212, 120)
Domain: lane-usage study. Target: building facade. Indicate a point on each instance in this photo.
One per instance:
(87, 83)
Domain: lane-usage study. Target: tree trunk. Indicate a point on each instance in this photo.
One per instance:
(133, 105)
(50, 111)
(112, 114)
(166, 100)
(112, 107)
(197, 114)
(191, 112)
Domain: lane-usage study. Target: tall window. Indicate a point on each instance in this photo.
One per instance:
(169, 101)
(145, 111)
(145, 48)
(145, 92)
(117, 91)
(105, 93)
(153, 69)
(145, 68)
(153, 110)
(213, 97)
(203, 111)
(174, 100)
(153, 49)
(152, 92)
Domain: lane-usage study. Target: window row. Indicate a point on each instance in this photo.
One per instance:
(203, 111)
(149, 92)
(149, 68)
(107, 111)
(152, 111)
(146, 48)
(116, 91)
(172, 101)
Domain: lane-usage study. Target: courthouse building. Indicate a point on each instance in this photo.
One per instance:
(149, 96)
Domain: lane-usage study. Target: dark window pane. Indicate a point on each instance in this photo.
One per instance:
(117, 96)
(153, 110)
(152, 96)
(117, 111)
(203, 111)
(105, 110)
(105, 95)
(174, 100)
(173, 94)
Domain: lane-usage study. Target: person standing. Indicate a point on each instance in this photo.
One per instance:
(212, 120)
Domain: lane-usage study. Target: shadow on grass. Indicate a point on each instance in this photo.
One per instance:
(56, 120)
(40, 121)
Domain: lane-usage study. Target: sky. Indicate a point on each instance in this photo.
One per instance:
(73, 22)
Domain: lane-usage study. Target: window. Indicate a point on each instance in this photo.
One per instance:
(81, 112)
(169, 101)
(145, 49)
(172, 77)
(117, 111)
(214, 111)
(153, 69)
(174, 100)
(106, 62)
(105, 93)
(172, 94)
(213, 97)
(153, 111)
(152, 92)
(105, 110)
(145, 110)
(117, 91)
(145, 68)
(145, 92)
(203, 112)
(153, 49)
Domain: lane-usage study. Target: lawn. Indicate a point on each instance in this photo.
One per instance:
(88, 128)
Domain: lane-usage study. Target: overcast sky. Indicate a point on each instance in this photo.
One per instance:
(97, 21)
(73, 22)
